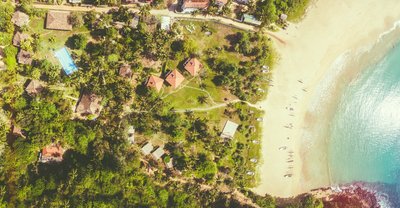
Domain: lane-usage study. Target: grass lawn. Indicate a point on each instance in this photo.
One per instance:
(51, 39)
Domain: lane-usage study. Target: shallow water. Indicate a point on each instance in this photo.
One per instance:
(364, 142)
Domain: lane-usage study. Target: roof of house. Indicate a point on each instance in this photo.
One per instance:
(283, 16)
(155, 82)
(165, 23)
(222, 2)
(134, 22)
(52, 153)
(89, 104)
(58, 20)
(24, 57)
(19, 37)
(251, 19)
(20, 19)
(146, 149)
(125, 71)
(34, 87)
(229, 129)
(175, 78)
(193, 66)
(197, 4)
(158, 153)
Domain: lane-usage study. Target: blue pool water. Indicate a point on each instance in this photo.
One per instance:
(66, 61)
(365, 131)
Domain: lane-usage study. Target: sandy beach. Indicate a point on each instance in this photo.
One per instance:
(309, 51)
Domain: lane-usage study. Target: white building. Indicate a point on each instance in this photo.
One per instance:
(229, 130)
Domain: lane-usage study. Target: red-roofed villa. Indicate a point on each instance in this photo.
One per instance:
(51, 153)
(175, 78)
(155, 83)
(193, 66)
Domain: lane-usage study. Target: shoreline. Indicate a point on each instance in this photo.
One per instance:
(323, 36)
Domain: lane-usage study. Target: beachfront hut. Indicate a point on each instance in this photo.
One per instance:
(229, 130)
(250, 19)
(24, 57)
(175, 78)
(125, 71)
(66, 61)
(58, 20)
(193, 66)
(158, 153)
(75, 1)
(34, 87)
(146, 149)
(89, 104)
(51, 153)
(18, 38)
(20, 19)
(165, 23)
(283, 17)
(155, 83)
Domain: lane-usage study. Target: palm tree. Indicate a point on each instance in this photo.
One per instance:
(144, 11)
(202, 99)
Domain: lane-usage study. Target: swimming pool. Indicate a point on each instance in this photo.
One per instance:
(66, 61)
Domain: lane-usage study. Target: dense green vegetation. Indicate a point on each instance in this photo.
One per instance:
(268, 11)
(100, 168)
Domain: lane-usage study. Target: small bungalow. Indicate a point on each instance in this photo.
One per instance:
(155, 82)
(175, 78)
(51, 153)
(193, 66)
(89, 104)
(34, 87)
(131, 134)
(165, 23)
(24, 57)
(125, 71)
(189, 6)
(20, 19)
(18, 38)
(229, 130)
(58, 20)
(158, 153)
(283, 17)
(250, 19)
(146, 149)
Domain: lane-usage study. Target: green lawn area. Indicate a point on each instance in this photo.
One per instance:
(51, 39)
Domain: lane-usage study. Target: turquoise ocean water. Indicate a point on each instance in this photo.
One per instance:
(365, 130)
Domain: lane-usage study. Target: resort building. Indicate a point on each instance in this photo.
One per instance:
(18, 38)
(158, 153)
(125, 71)
(229, 130)
(34, 87)
(193, 66)
(175, 78)
(58, 20)
(51, 153)
(165, 23)
(189, 6)
(250, 19)
(146, 149)
(131, 134)
(66, 61)
(89, 104)
(20, 19)
(155, 83)
(24, 57)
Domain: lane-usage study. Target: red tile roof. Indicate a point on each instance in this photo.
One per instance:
(155, 82)
(198, 4)
(20, 19)
(52, 153)
(58, 20)
(174, 78)
(18, 37)
(193, 66)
